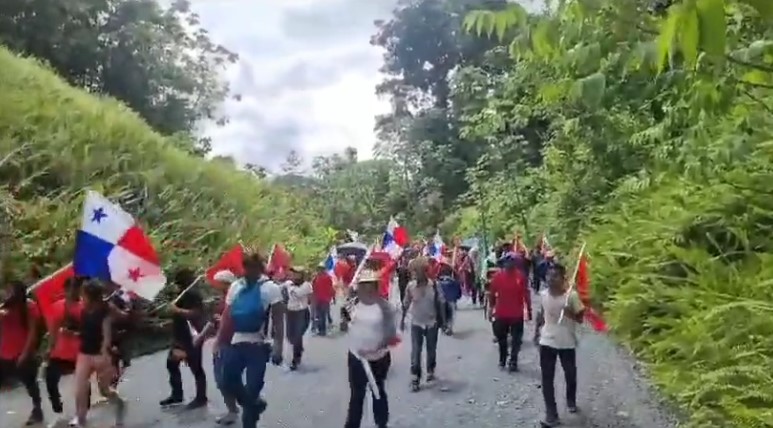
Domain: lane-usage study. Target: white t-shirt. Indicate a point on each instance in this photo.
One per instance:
(270, 293)
(553, 334)
(298, 296)
(366, 331)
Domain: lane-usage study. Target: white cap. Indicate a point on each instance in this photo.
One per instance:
(225, 276)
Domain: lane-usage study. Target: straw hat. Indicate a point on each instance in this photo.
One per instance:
(368, 275)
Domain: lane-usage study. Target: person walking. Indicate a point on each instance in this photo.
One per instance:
(64, 340)
(298, 317)
(323, 294)
(19, 334)
(241, 338)
(558, 340)
(451, 290)
(94, 357)
(186, 312)
(510, 298)
(223, 280)
(372, 330)
(425, 303)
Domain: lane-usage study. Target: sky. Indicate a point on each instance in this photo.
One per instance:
(306, 76)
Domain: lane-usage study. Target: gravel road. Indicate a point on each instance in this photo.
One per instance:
(470, 391)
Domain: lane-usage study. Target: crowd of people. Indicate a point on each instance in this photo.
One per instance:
(91, 329)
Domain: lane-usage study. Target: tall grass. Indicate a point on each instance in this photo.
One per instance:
(56, 141)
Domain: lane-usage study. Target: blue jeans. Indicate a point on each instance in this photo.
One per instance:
(418, 337)
(322, 313)
(250, 359)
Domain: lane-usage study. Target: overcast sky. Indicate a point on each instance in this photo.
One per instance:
(306, 74)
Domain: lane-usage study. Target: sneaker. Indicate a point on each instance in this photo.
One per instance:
(294, 366)
(512, 367)
(196, 403)
(74, 423)
(431, 377)
(57, 406)
(36, 417)
(227, 419)
(550, 422)
(171, 401)
(502, 365)
(572, 408)
(415, 385)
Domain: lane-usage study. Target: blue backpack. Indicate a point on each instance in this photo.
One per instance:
(247, 311)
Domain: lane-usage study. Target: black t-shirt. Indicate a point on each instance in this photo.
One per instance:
(91, 330)
(181, 334)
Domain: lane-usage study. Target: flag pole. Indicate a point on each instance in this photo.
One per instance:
(179, 296)
(34, 286)
(574, 280)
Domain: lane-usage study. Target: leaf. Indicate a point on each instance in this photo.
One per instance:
(590, 90)
(667, 36)
(764, 7)
(713, 27)
(689, 37)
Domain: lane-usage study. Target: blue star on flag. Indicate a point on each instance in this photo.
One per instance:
(98, 214)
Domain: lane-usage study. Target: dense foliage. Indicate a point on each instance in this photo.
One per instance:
(156, 59)
(56, 141)
(640, 127)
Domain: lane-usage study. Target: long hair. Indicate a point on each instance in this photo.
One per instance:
(18, 300)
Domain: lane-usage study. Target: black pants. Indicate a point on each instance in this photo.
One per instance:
(55, 369)
(27, 374)
(194, 361)
(402, 286)
(504, 328)
(358, 388)
(547, 363)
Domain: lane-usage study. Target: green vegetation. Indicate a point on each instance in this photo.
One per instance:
(640, 127)
(56, 141)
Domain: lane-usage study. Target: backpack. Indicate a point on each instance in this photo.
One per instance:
(247, 311)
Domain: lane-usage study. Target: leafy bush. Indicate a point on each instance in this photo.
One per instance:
(56, 141)
(658, 155)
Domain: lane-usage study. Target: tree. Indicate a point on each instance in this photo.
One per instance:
(158, 61)
(293, 163)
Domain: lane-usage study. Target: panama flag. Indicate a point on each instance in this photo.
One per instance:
(112, 247)
(395, 238)
(436, 248)
(330, 262)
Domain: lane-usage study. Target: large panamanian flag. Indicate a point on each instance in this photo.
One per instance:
(395, 238)
(112, 247)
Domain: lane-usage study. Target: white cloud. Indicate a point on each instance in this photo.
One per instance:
(306, 76)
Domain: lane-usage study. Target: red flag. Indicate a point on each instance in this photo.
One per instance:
(582, 283)
(50, 289)
(280, 260)
(231, 260)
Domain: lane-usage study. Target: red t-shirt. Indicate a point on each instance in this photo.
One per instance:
(322, 285)
(511, 294)
(67, 344)
(13, 334)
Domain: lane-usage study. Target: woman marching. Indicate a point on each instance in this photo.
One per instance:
(19, 323)
(94, 357)
(372, 330)
(64, 339)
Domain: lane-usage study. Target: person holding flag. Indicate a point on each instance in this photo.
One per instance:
(559, 313)
(371, 332)
(187, 310)
(19, 324)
